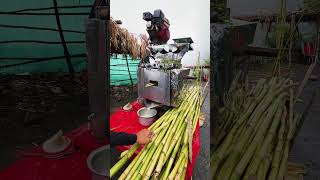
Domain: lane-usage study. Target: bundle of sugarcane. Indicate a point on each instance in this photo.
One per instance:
(233, 103)
(312, 6)
(255, 139)
(167, 155)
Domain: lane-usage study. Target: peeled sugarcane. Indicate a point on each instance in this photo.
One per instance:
(166, 156)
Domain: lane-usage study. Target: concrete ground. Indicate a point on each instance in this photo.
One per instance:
(201, 169)
(306, 147)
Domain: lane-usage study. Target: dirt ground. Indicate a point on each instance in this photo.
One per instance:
(33, 108)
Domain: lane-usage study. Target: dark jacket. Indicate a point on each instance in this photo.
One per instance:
(122, 138)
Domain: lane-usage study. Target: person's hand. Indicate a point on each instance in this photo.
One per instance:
(144, 136)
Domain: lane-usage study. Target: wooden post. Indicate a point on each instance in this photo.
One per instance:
(129, 70)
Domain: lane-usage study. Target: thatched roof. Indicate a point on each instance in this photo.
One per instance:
(124, 42)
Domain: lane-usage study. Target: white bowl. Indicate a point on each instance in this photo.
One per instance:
(146, 116)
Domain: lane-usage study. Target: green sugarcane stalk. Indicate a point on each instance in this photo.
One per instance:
(155, 142)
(182, 155)
(128, 153)
(220, 153)
(239, 169)
(122, 161)
(186, 109)
(235, 155)
(260, 154)
(136, 162)
(166, 140)
(149, 148)
(265, 164)
(127, 171)
(184, 172)
(172, 158)
(136, 173)
(146, 161)
(166, 152)
(132, 150)
(181, 169)
(153, 162)
(278, 151)
(283, 170)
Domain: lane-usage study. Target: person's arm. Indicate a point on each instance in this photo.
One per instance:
(121, 138)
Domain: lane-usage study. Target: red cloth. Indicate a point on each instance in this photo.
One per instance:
(164, 34)
(71, 168)
(309, 49)
(121, 121)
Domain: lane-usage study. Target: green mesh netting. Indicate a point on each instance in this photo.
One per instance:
(17, 28)
(119, 71)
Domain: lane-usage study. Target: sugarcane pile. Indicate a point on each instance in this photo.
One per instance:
(124, 42)
(167, 155)
(254, 132)
(312, 6)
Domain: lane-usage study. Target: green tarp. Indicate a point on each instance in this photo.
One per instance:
(14, 28)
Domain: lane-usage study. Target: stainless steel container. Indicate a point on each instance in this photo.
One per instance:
(99, 163)
(146, 116)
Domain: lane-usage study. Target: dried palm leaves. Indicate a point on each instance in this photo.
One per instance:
(123, 42)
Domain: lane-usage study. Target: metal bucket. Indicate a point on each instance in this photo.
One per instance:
(146, 116)
(99, 163)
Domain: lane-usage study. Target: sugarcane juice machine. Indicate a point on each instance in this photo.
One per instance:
(160, 73)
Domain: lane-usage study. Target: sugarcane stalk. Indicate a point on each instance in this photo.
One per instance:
(153, 162)
(136, 173)
(284, 161)
(175, 143)
(278, 151)
(234, 158)
(171, 137)
(148, 158)
(265, 164)
(253, 167)
(172, 158)
(166, 140)
(182, 155)
(122, 161)
(181, 169)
